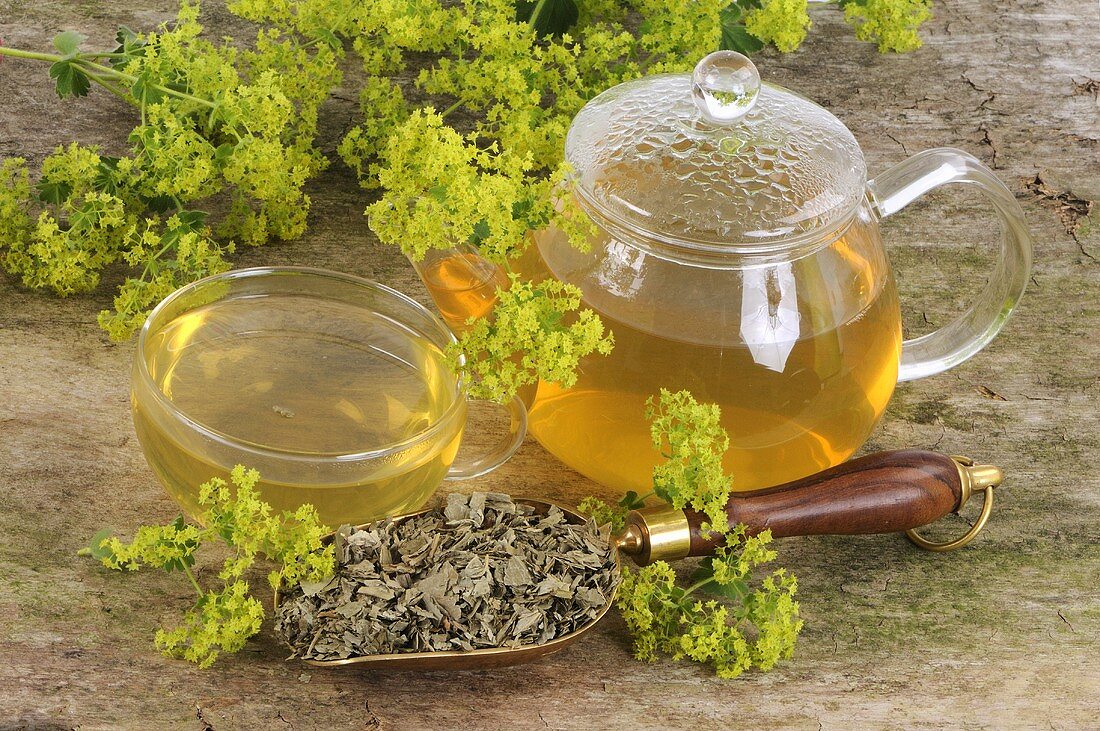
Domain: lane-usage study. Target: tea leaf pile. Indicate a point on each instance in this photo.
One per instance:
(480, 572)
(222, 619)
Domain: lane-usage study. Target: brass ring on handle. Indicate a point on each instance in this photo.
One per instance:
(972, 478)
(987, 508)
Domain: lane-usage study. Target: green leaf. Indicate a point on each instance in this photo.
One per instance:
(105, 180)
(188, 559)
(192, 220)
(223, 152)
(551, 321)
(705, 570)
(159, 203)
(129, 45)
(734, 590)
(95, 548)
(144, 91)
(438, 192)
(553, 17)
(67, 42)
(71, 80)
(329, 38)
(55, 193)
(126, 37)
(481, 232)
(661, 492)
(521, 208)
(735, 37)
(169, 240)
(630, 501)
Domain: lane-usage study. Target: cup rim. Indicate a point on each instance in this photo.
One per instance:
(284, 454)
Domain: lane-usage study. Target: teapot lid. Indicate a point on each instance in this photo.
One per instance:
(714, 160)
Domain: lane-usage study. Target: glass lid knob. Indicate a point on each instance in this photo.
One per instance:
(725, 85)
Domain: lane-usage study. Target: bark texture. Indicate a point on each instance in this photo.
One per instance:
(1005, 633)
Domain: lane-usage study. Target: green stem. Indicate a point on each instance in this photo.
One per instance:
(698, 584)
(107, 70)
(539, 7)
(159, 254)
(85, 63)
(163, 250)
(17, 53)
(108, 86)
(452, 108)
(194, 583)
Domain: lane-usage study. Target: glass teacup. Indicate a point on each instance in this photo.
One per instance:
(335, 388)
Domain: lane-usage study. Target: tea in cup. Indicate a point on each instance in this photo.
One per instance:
(336, 389)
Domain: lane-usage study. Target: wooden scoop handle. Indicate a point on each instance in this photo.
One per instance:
(887, 492)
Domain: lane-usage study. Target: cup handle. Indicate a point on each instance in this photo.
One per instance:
(501, 453)
(970, 332)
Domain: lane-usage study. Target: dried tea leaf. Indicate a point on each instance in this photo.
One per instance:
(481, 571)
(516, 573)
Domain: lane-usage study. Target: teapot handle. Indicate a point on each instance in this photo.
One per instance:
(970, 332)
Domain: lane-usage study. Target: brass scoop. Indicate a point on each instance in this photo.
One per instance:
(885, 492)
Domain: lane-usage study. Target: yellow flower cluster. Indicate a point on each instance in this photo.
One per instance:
(528, 338)
(65, 248)
(219, 622)
(691, 439)
(781, 22)
(492, 183)
(442, 189)
(233, 513)
(218, 120)
(760, 625)
(603, 513)
(892, 24)
(214, 121)
(757, 627)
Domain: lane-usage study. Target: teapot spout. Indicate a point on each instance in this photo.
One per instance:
(462, 283)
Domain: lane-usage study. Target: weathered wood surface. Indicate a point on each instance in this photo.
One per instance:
(1005, 633)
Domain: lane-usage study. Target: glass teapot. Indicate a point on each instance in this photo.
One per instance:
(739, 256)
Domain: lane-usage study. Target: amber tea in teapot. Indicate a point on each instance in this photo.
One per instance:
(461, 283)
(792, 405)
(738, 255)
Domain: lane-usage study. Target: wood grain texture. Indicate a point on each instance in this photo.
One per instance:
(1002, 634)
(885, 492)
